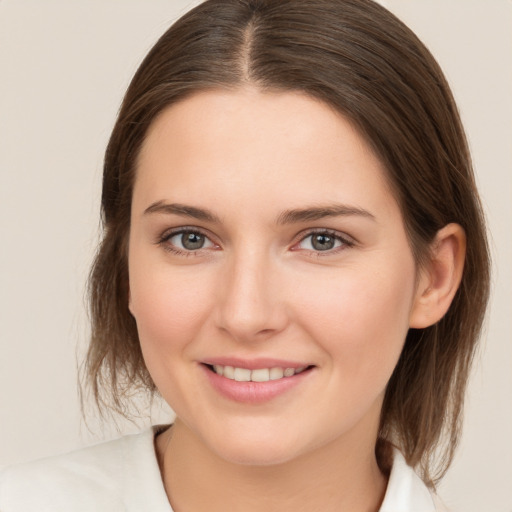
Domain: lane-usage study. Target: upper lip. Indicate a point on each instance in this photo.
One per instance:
(254, 364)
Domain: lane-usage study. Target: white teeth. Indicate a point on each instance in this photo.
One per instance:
(288, 372)
(276, 373)
(258, 375)
(229, 372)
(262, 375)
(242, 374)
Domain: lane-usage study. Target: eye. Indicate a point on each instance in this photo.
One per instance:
(322, 241)
(186, 240)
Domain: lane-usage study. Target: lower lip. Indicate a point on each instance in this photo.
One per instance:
(253, 392)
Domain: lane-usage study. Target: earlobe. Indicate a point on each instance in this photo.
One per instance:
(440, 278)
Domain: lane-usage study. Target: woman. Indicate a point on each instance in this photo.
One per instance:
(294, 257)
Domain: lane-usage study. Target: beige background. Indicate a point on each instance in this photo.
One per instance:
(63, 68)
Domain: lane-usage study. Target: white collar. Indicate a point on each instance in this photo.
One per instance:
(406, 492)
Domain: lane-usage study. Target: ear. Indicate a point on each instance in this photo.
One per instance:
(440, 278)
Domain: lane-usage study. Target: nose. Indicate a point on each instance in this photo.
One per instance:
(250, 303)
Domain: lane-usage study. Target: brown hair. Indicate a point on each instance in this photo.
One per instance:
(360, 59)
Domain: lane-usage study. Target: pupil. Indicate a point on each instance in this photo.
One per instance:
(323, 242)
(192, 241)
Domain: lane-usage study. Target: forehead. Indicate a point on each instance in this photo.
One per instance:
(236, 146)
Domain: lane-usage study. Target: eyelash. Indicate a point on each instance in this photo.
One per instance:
(346, 242)
(167, 235)
(163, 241)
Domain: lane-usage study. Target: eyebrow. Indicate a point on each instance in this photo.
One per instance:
(321, 212)
(287, 217)
(183, 210)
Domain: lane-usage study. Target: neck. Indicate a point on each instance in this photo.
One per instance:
(340, 476)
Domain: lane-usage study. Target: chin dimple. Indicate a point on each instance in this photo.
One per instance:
(257, 375)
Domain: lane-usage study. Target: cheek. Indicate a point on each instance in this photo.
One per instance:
(170, 311)
(169, 307)
(361, 320)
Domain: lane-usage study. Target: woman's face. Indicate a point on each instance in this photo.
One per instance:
(265, 244)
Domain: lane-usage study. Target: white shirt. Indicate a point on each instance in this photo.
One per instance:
(123, 475)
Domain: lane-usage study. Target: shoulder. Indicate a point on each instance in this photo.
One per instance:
(97, 478)
(406, 491)
(87, 479)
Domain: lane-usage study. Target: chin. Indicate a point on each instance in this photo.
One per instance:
(258, 454)
(249, 444)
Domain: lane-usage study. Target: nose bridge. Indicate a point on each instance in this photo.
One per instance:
(249, 304)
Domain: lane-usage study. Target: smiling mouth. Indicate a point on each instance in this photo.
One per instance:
(256, 375)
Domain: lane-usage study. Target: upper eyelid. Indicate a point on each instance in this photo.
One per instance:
(333, 232)
(168, 233)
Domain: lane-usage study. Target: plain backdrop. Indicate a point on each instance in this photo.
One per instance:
(64, 66)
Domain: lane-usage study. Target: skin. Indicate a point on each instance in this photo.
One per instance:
(258, 288)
